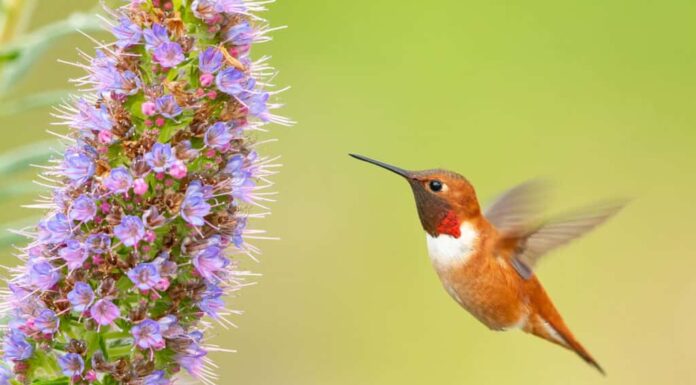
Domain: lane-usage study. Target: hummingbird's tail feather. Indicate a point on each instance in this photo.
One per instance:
(558, 333)
(546, 322)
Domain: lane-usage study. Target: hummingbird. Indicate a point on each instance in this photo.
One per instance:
(485, 259)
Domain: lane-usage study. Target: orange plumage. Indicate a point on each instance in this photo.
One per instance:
(485, 260)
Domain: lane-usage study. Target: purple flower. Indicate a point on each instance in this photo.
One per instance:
(231, 81)
(204, 9)
(81, 296)
(240, 34)
(218, 135)
(77, 167)
(169, 54)
(211, 302)
(194, 207)
(210, 61)
(169, 327)
(167, 106)
(230, 6)
(155, 36)
(238, 236)
(257, 105)
(6, 375)
(42, 275)
(127, 33)
(71, 364)
(47, 322)
(243, 187)
(234, 164)
(160, 157)
(197, 188)
(24, 305)
(130, 83)
(104, 312)
(98, 243)
(106, 77)
(193, 360)
(156, 378)
(16, 347)
(90, 118)
(145, 276)
(73, 254)
(147, 335)
(119, 180)
(55, 229)
(83, 209)
(130, 231)
(209, 262)
(132, 159)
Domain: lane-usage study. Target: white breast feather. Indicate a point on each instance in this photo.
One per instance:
(446, 250)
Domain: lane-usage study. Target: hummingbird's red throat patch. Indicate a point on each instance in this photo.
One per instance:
(450, 225)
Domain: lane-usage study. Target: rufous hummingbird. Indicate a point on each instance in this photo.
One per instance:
(485, 260)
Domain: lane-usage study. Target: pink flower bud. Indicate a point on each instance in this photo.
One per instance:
(150, 236)
(148, 123)
(149, 108)
(105, 137)
(163, 284)
(140, 186)
(178, 170)
(212, 94)
(206, 79)
(159, 121)
(91, 376)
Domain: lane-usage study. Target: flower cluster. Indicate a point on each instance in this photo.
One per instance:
(148, 203)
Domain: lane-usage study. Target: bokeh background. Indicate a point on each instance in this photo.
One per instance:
(598, 96)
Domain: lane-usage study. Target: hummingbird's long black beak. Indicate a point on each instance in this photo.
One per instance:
(394, 169)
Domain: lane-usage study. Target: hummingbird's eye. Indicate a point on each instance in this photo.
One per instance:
(435, 185)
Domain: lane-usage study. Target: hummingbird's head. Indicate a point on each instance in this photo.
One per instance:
(444, 198)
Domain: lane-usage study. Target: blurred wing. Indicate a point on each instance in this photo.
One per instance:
(556, 233)
(517, 209)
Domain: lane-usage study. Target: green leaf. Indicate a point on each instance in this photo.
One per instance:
(12, 190)
(166, 133)
(42, 99)
(43, 365)
(124, 284)
(24, 51)
(92, 338)
(20, 158)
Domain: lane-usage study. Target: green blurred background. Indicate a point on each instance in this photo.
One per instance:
(598, 96)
